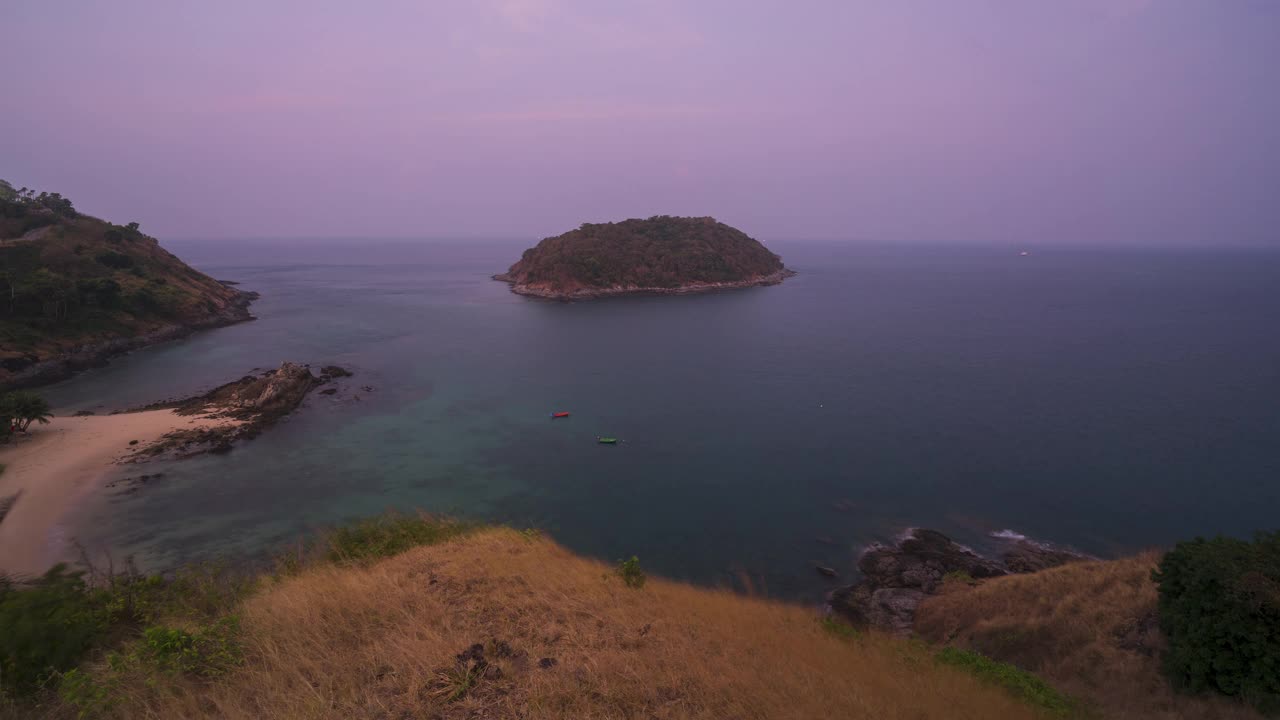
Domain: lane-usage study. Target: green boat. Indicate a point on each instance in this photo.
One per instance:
(607, 441)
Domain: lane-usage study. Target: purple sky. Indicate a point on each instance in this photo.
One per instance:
(1019, 121)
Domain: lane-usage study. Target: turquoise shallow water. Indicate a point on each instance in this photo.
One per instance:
(1110, 399)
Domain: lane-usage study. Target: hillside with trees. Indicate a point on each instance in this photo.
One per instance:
(662, 254)
(75, 289)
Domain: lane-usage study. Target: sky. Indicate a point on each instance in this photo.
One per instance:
(1005, 121)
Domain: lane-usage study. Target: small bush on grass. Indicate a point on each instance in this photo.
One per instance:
(88, 696)
(209, 650)
(630, 572)
(1220, 610)
(1021, 683)
(388, 535)
(839, 628)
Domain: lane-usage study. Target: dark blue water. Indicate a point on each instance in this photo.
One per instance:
(1109, 399)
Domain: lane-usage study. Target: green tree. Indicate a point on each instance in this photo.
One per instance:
(1220, 610)
(49, 290)
(24, 408)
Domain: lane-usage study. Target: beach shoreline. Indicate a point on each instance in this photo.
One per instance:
(55, 466)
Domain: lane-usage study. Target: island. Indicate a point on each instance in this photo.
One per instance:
(662, 255)
(76, 290)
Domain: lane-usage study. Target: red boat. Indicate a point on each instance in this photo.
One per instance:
(559, 414)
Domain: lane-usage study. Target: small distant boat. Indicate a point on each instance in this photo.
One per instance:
(559, 414)
(607, 440)
(1024, 253)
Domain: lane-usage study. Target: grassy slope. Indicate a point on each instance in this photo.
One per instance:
(379, 641)
(1087, 628)
(159, 290)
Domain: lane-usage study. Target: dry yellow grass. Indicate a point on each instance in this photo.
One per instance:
(380, 641)
(1088, 628)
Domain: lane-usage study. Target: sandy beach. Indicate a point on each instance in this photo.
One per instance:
(54, 465)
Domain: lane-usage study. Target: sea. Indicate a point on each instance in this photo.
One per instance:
(1106, 399)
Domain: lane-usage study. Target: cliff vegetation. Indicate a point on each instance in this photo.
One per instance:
(75, 289)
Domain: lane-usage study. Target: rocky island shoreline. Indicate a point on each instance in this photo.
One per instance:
(31, 370)
(620, 290)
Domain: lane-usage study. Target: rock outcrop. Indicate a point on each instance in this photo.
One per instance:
(1026, 556)
(897, 578)
(254, 402)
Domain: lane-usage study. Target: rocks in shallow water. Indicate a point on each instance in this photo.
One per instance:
(1026, 556)
(329, 391)
(896, 579)
(255, 401)
(334, 371)
(130, 485)
(275, 392)
(921, 560)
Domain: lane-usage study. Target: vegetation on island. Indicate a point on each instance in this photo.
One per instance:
(70, 281)
(660, 253)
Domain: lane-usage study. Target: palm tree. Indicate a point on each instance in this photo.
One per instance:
(24, 408)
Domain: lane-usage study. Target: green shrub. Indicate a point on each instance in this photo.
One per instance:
(48, 624)
(391, 534)
(838, 627)
(116, 260)
(630, 572)
(207, 651)
(1020, 683)
(86, 694)
(1220, 610)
